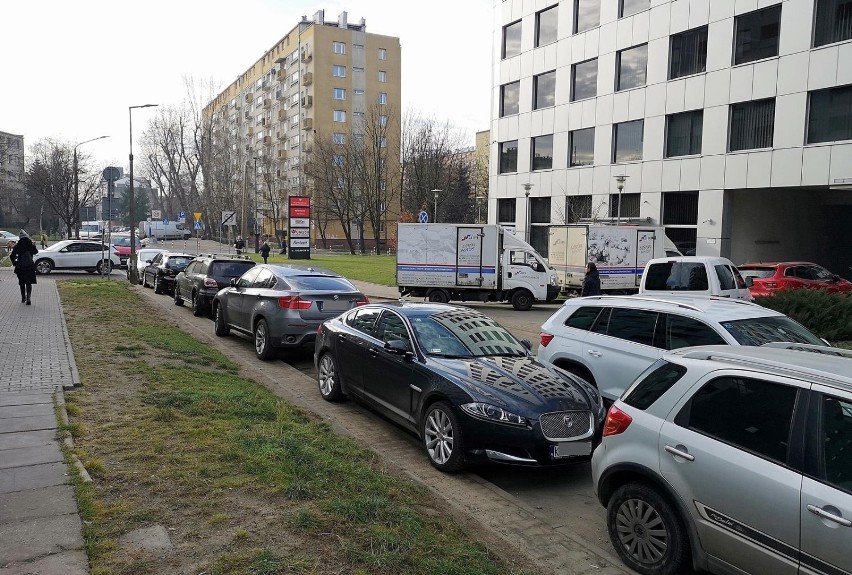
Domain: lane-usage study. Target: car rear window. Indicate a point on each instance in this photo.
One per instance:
(229, 269)
(760, 330)
(661, 376)
(675, 276)
(177, 263)
(757, 272)
(583, 317)
(324, 283)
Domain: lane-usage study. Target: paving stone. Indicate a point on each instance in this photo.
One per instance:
(12, 411)
(32, 477)
(147, 538)
(35, 423)
(34, 538)
(33, 503)
(31, 455)
(65, 563)
(15, 398)
(27, 438)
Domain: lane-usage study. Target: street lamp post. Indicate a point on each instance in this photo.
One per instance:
(134, 273)
(77, 188)
(479, 209)
(527, 223)
(619, 183)
(255, 226)
(435, 214)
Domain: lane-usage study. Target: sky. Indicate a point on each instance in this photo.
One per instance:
(70, 70)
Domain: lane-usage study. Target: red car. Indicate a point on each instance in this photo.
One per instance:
(121, 245)
(766, 278)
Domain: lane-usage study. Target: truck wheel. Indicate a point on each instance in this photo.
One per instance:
(522, 300)
(439, 296)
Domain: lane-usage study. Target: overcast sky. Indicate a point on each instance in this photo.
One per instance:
(70, 70)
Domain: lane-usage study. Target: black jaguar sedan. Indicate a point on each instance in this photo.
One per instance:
(466, 386)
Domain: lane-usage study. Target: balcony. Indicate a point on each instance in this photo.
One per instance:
(308, 124)
(307, 101)
(281, 74)
(280, 95)
(307, 54)
(307, 78)
(249, 96)
(267, 140)
(247, 115)
(267, 103)
(282, 115)
(250, 131)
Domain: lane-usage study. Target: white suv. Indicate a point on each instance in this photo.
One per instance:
(732, 460)
(609, 340)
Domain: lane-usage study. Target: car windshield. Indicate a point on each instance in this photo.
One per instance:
(462, 333)
(324, 283)
(757, 272)
(178, 262)
(230, 269)
(760, 330)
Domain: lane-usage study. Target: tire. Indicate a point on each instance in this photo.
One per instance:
(522, 300)
(158, 285)
(144, 280)
(328, 377)
(439, 296)
(579, 372)
(104, 267)
(442, 438)
(198, 308)
(220, 328)
(44, 266)
(178, 298)
(262, 342)
(646, 531)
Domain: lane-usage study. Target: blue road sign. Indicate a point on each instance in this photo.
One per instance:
(165, 220)
(423, 217)
(197, 226)
(182, 216)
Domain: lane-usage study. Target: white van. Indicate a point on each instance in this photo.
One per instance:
(694, 275)
(161, 231)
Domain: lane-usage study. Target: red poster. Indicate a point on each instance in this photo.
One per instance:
(300, 200)
(299, 212)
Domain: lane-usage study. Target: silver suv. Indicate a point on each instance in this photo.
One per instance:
(732, 460)
(609, 340)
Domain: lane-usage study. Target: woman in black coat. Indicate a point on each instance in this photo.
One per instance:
(591, 281)
(22, 258)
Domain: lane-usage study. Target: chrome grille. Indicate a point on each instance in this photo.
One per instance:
(564, 425)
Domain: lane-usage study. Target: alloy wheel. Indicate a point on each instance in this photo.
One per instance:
(438, 433)
(641, 531)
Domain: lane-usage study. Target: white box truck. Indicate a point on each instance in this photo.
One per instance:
(620, 253)
(471, 262)
(159, 230)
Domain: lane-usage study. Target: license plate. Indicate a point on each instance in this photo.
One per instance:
(331, 305)
(570, 449)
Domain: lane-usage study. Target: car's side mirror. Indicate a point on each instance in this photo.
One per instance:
(749, 281)
(233, 282)
(526, 343)
(399, 347)
(835, 278)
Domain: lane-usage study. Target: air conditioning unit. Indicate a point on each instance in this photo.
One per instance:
(308, 124)
(307, 78)
(307, 101)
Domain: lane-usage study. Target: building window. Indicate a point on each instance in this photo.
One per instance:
(383, 142)
(339, 116)
(357, 114)
(830, 115)
(508, 157)
(546, 26)
(587, 14)
(357, 69)
(688, 53)
(542, 153)
(544, 90)
(383, 76)
(752, 125)
(358, 92)
(383, 54)
(756, 35)
(512, 39)
(506, 210)
(632, 67)
(683, 133)
(833, 21)
(578, 207)
(509, 96)
(338, 71)
(628, 7)
(584, 80)
(581, 151)
(383, 120)
(680, 208)
(339, 94)
(339, 139)
(627, 138)
(629, 205)
(383, 98)
(338, 161)
(338, 47)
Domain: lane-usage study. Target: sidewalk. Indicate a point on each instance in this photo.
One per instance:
(376, 291)
(40, 529)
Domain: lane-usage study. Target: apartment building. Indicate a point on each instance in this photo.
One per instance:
(320, 80)
(729, 122)
(12, 185)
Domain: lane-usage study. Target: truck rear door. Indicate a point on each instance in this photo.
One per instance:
(644, 252)
(469, 256)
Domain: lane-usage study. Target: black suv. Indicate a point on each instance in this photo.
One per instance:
(163, 269)
(205, 276)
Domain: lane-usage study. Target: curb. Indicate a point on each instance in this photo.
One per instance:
(67, 439)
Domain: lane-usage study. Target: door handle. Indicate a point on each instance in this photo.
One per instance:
(680, 452)
(594, 352)
(341, 337)
(830, 516)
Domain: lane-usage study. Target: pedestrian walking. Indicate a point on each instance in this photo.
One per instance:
(591, 281)
(43, 240)
(22, 259)
(240, 245)
(264, 250)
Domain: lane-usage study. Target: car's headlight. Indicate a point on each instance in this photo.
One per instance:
(493, 413)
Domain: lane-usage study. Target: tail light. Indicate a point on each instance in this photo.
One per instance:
(616, 422)
(771, 284)
(545, 338)
(362, 301)
(294, 302)
(210, 282)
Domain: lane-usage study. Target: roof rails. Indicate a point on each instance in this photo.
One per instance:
(643, 298)
(838, 351)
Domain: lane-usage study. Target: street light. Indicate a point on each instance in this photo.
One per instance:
(256, 231)
(619, 183)
(134, 274)
(479, 208)
(527, 188)
(435, 214)
(77, 188)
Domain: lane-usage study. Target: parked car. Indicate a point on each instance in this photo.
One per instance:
(143, 257)
(162, 270)
(766, 279)
(76, 255)
(732, 460)
(282, 305)
(609, 340)
(694, 275)
(460, 381)
(6, 237)
(205, 276)
(122, 246)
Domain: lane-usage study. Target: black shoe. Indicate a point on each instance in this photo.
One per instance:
(28, 302)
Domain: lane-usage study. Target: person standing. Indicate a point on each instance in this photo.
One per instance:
(264, 250)
(240, 245)
(591, 281)
(43, 240)
(22, 259)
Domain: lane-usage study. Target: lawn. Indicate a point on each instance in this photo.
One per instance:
(375, 269)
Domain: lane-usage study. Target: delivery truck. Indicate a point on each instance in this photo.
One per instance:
(164, 231)
(471, 262)
(620, 253)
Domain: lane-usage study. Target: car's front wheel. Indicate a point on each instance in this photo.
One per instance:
(646, 531)
(44, 266)
(262, 341)
(442, 437)
(158, 285)
(328, 377)
(220, 326)
(178, 298)
(198, 307)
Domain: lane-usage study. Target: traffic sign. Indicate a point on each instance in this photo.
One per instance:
(423, 217)
(197, 216)
(197, 225)
(156, 215)
(228, 218)
(165, 220)
(181, 216)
